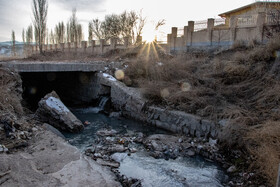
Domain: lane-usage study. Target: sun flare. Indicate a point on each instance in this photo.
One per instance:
(149, 37)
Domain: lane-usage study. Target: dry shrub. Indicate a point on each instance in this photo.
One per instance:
(234, 73)
(173, 70)
(273, 44)
(263, 142)
(232, 135)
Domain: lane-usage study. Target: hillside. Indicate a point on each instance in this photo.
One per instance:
(238, 89)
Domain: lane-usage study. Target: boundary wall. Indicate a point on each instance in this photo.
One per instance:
(245, 28)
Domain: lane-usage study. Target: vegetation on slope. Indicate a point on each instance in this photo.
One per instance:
(238, 88)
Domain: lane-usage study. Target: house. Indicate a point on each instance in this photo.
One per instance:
(247, 15)
(246, 25)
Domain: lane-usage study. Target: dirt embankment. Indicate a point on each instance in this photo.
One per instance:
(33, 156)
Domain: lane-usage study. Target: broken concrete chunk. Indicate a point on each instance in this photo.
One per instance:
(52, 111)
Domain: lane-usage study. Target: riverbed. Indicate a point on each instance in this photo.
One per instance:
(182, 171)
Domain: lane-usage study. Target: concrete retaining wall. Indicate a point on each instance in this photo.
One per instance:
(132, 104)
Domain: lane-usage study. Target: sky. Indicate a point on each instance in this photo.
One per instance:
(17, 14)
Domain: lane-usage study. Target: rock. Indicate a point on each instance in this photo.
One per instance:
(97, 155)
(34, 129)
(133, 150)
(119, 157)
(190, 153)
(117, 148)
(51, 110)
(231, 169)
(139, 137)
(106, 132)
(180, 140)
(115, 114)
(108, 163)
(53, 130)
(212, 142)
(156, 146)
(157, 154)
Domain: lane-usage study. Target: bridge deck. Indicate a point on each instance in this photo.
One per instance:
(54, 66)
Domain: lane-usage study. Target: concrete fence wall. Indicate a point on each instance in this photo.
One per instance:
(240, 29)
(84, 46)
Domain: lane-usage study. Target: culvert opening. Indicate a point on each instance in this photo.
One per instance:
(73, 88)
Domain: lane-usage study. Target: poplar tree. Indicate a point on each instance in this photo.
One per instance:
(40, 11)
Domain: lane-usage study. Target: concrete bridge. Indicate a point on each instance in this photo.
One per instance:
(33, 66)
(74, 81)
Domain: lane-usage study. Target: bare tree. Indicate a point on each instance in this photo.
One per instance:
(73, 26)
(13, 37)
(60, 32)
(112, 26)
(128, 21)
(127, 24)
(68, 32)
(23, 36)
(97, 29)
(47, 37)
(52, 37)
(40, 11)
(159, 24)
(36, 36)
(29, 35)
(90, 31)
(80, 36)
(74, 29)
(139, 26)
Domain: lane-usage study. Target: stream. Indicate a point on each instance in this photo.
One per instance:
(182, 171)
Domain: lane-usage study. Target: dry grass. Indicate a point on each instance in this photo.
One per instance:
(241, 85)
(263, 142)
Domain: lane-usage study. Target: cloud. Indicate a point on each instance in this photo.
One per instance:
(82, 5)
(14, 15)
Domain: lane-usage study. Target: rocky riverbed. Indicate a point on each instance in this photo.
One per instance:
(143, 155)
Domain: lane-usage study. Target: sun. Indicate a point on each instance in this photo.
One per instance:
(149, 36)
(149, 33)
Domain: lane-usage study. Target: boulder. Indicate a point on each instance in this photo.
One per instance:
(52, 111)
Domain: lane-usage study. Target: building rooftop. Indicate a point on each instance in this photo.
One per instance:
(257, 3)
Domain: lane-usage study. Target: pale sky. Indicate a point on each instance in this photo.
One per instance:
(17, 14)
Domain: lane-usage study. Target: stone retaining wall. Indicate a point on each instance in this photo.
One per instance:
(133, 104)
